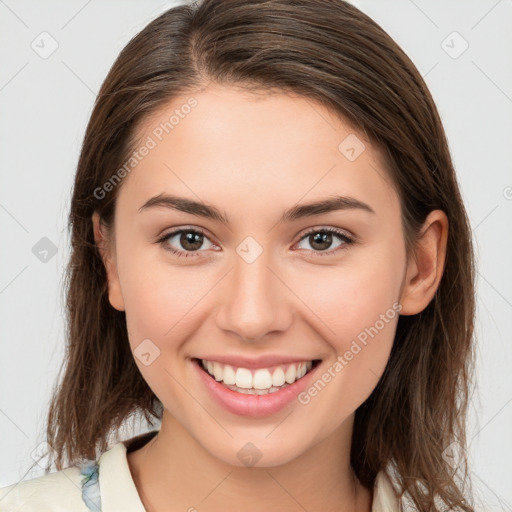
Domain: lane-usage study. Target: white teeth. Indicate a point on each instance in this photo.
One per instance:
(291, 374)
(278, 377)
(243, 378)
(256, 391)
(262, 381)
(217, 371)
(229, 375)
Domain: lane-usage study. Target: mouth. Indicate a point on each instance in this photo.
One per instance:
(256, 381)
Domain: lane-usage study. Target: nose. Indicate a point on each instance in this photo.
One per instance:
(255, 301)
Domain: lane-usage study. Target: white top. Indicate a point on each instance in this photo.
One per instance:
(61, 491)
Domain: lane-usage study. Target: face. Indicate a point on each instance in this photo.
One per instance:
(260, 289)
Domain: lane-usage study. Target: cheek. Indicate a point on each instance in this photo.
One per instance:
(159, 300)
(161, 303)
(166, 304)
(355, 307)
(353, 294)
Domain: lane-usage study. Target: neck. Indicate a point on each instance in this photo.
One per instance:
(174, 472)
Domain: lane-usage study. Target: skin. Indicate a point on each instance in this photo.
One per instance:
(254, 156)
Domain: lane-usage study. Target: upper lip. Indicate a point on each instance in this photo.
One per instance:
(255, 362)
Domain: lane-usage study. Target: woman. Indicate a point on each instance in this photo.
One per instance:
(270, 255)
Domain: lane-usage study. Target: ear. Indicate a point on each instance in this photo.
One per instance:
(426, 265)
(107, 253)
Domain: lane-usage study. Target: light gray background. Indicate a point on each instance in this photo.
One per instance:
(44, 107)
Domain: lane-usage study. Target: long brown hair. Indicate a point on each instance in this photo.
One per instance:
(331, 52)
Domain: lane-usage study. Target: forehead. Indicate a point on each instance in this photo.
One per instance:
(237, 146)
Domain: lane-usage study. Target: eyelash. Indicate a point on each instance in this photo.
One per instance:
(346, 241)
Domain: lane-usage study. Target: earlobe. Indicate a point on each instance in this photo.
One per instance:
(426, 265)
(105, 249)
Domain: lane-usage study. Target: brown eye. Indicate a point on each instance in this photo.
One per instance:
(191, 240)
(321, 240)
(185, 242)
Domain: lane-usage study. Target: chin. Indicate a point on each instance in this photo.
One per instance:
(251, 451)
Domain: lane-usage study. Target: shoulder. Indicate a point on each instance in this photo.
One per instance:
(105, 485)
(60, 490)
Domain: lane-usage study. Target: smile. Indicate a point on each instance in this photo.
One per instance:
(258, 381)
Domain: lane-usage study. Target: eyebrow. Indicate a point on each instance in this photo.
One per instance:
(199, 209)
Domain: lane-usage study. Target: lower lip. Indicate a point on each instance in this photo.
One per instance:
(253, 405)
